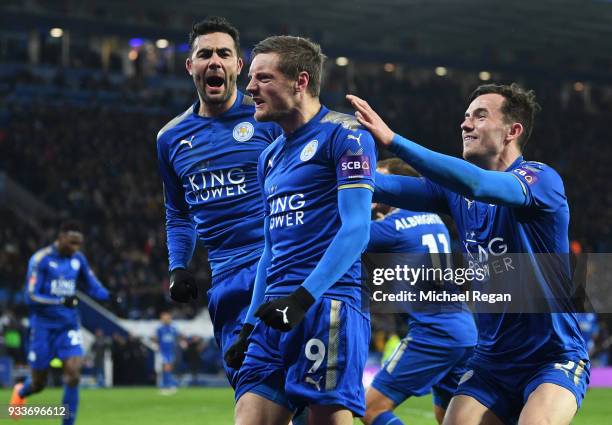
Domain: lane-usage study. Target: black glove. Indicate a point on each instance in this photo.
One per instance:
(286, 312)
(182, 286)
(71, 302)
(234, 356)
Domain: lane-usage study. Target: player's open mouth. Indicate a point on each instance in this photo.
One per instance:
(214, 82)
(258, 102)
(469, 138)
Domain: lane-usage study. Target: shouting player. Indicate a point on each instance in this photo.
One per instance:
(208, 163)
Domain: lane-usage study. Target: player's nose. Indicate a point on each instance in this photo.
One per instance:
(467, 124)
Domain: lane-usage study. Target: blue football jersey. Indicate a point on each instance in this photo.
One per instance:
(404, 231)
(300, 175)
(539, 227)
(166, 338)
(50, 278)
(209, 170)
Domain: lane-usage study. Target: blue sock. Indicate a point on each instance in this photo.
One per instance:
(166, 379)
(387, 418)
(71, 398)
(26, 390)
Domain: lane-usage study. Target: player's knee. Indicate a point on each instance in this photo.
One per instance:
(72, 379)
(370, 415)
(376, 404)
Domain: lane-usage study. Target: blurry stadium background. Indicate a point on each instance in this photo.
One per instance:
(85, 86)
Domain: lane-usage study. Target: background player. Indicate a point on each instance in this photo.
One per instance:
(433, 355)
(532, 368)
(317, 181)
(167, 340)
(208, 163)
(54, 274)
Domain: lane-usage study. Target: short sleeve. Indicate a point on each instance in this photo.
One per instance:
(542, 185)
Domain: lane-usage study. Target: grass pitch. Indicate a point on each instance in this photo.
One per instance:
(214, 406)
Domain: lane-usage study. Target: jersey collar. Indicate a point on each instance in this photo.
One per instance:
(515, 164)
(309, 125)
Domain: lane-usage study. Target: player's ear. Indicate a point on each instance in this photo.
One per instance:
(240, 65)
(188, 64)
(515, 131)
(301, 83)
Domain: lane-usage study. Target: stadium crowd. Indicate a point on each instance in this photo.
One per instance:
(85, 146)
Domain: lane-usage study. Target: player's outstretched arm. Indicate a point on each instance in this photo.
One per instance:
(234, 356)
(354, 208)
(93, 285)
(410, 193)
(453, 173)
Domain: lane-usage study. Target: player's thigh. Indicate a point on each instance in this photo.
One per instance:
(73, 365)
(252, 409)
(325, 356)
(549, 404)
(330, 415)
(439, 413)
(376, 403)
(67, 343)
(466, 410)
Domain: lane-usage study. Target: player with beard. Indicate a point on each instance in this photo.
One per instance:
(208, 163)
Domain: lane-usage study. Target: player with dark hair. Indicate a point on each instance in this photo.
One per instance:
(208, 162)
(528, 367)
(54, 274)
(433, 355)
(312, 337)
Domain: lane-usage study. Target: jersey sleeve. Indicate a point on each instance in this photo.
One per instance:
(93, 286)
(542, 185)
(354, 156)
(37, 272)
(180, 229)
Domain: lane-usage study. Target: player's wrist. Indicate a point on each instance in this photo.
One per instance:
(303, 298)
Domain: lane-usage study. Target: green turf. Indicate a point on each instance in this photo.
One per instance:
(144, 406)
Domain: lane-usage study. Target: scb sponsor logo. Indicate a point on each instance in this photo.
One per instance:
(355, 166)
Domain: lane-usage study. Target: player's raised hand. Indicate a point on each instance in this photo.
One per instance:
(371, 120)
(234, 356)
(285, 313)
(182, 286)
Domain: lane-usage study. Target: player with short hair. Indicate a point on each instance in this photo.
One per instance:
(166, 338)
(312, 337)
(433, 355)
(527, 367)
(208, 162)
(54, 274)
